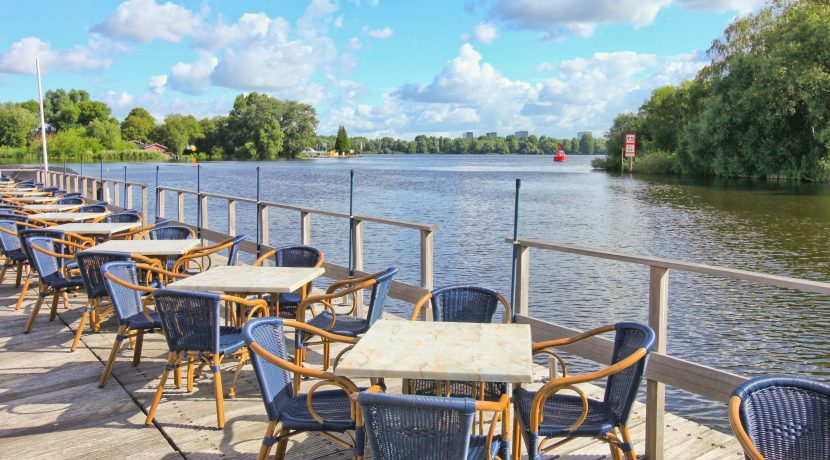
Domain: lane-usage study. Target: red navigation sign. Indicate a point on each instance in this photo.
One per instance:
(630, 145)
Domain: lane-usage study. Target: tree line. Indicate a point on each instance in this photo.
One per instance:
(760, 108)
(530, 145)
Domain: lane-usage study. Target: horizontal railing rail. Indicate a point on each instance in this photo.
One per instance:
(663, 369)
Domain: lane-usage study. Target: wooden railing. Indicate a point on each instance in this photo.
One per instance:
(663, 369)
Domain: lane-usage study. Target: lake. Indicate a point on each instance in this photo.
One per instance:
(777, 228)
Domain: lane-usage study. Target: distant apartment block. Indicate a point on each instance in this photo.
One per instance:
(521, 133)
(493, 134)
(582, 133)
(468, 135)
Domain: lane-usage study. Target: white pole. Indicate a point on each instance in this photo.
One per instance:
(42, 119)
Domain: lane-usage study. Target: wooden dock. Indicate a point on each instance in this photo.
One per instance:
(51, 405)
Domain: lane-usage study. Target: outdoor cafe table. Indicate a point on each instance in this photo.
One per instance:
(470, 352)
(33, 199)
(22, 193)
(52, 207)
(69, 216)
(245, 279)
(150, 248)
(101, 229)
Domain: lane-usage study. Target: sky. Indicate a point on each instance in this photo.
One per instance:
(379, 67)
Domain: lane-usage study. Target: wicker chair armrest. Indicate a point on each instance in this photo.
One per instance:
(27, 225)
(738, 429)
(568, 382)
(144, 260)
(291, 367)
(320, 332)
(9, 232)
(50, 253)
(508, 310)
(42, 223)
(135, 287)
(328, 297)
(160, 271)
(84, 241)
(252, 305)
(568, 340)
(71, 244)
(419, 305)
(145, 310)
(500, 408)
(263, 258)
(338, 284)
(556, 357)
(343, 383)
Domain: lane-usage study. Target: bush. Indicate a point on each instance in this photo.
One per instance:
(656, 162)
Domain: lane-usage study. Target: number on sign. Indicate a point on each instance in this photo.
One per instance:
(630, 138)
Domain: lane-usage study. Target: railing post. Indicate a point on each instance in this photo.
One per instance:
(128, 196)
(160, 202)
(145, 205)
(522, 280)
(427, 272)
(105, 192)
(116, 195)
(203, 205)
(262, 215)
(75, 184)
(180, 198)
(83, 187)
(658, 299)
(357, 259)
(232, 217)
(305, 228)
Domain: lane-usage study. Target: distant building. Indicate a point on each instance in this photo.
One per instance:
(583, 133)
(521, 133)
(468, 135)
(493, 134)
(152, 147)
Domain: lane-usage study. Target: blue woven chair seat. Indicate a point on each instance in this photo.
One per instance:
(16, 255)
(332, 405)
(230, 339)
(350, 326)
(72, 265)
(140, 322)
(561, 411)
(64, 283)
(478, 447)
(492, 390)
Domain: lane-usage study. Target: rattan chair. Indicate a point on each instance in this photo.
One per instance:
(70, 200)
(171, 232)
(399, 427)
(138, 233)
(93, 208)
(289, 412)
(200, 259)
(542, 415)
(15, 258)
(783, 418)
(291, 256)
(125, 217)
(46, 260)
(464, 304)
(349, 324)
(191, 324)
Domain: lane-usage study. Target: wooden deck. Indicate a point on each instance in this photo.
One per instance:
(51, 406)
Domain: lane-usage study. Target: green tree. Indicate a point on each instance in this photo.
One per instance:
(250, 126)
(341, 144)
(89, 111)
(107, 132)
(138, 125)
(15, 125)
(177, 132)
(586, 144)
(299, 123)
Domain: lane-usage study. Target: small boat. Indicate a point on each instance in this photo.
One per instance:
(560, 154)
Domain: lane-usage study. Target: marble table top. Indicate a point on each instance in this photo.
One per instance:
(69, 216)
(247, 279)
(100, 228)
(442, 351)
(52, 207)
(24, 193)
(148, 247)
(33, 199)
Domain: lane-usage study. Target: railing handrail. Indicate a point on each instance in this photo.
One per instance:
(817, 287)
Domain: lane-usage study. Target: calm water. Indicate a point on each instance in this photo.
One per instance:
(779, 228)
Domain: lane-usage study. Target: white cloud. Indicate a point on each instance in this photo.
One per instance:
(21, 55)
(544, 67)
(485, 32)
(145, 20)
(156, 84)
(193, 78)
(556, 19)
(380, 34)
(118, 101)
(354, 44)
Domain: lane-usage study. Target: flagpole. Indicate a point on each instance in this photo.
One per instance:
(42, 118)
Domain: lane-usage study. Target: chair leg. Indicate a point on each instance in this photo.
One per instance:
(54, 311)
(172, 360)
(242, 360)
(265, 448)
(281, 445)
(65, 301)
(190, 375)
(177, 375)
(615, 451)
(3, 271)
(119, 339)
(81, 325)
(23, 292)
(33, 315)
(326, 354)
(139, 341)
(517, 440)
(19, 275)
(217, 386)
(626, 437)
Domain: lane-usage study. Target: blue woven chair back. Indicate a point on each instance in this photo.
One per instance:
(423, 427)
(297, 256)
(72, 200)
(125, 217)
(125, 301)
(90, 263)
(233, 251)
(189, 319)
(25, 233)
(93, 208)
(464, 304)
(7, 207)
(275, 383)
(621, 388)
(45, 264)
(380, 291)
(8, 215)
(72, 195)
(8, 242)
(786, 418)
(170, 232)
(51, 189)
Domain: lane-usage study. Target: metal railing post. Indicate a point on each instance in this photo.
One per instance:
(180, 199)
(159, 203)
(232, 217)
(357, 259)
(427, 273)
(520, 305)
(658, 300)
(203, 210)
(145, 206)
(305, 228)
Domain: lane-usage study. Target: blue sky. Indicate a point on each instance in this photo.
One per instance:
(379, 67)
